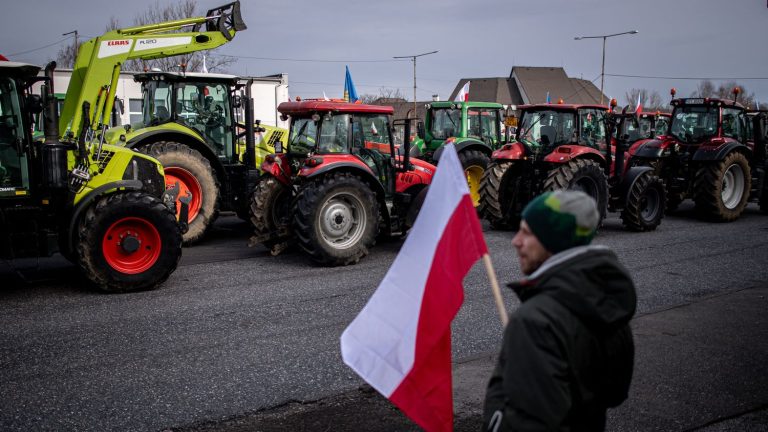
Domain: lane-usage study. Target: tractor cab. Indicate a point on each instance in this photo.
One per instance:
(543, 128)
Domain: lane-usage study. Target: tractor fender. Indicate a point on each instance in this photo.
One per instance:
(350, 167)
(711, 153)
(463, 144)
(510, 151)
(646, 149)
(566, 153)
(629, 179)
(191, 140)
(83, 204)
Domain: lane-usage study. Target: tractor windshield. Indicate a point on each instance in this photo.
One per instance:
(693, 124)
(445, 123)
(156, 107)
(661, 126)
(646, 127)
(334, 134)
(484, 124)
(205, 108)
(546, 128)
(13, 166)
(592, 128)
(303, 135)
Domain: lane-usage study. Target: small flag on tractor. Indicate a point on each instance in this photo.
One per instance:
(639, 105)
(350, 94)
(463, 95)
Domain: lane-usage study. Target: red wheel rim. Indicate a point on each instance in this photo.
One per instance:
(131, 245)
(187, 183)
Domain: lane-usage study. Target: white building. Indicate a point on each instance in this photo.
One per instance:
(268, 92)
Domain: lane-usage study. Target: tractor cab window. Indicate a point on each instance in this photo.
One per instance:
(484, 124)
(546, 128)
(693, 124)
(205, 107)
(634, 129)
(303, 136)
(733, 123)
(156, 107)
(334, 134)
(445, 123)
(371, 143)
(13, 164)
(592, 128)
(661, 125)
(646, 127)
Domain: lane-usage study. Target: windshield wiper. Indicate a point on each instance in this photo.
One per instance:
(525, 132)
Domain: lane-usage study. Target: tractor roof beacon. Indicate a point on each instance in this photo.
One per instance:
(188, 118)
(474, 128)
(340, 182)
(103, 207)
(714, 153)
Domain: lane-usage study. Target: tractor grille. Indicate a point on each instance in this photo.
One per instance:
(275, 137)
(104, 159)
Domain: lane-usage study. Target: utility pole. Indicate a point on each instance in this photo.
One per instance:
(74, 51)
(602, 69)
(413, 58)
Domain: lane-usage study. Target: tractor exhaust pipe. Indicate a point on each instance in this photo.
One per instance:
(54, 153)
(250, 140)
(758, 126)
(51, 115)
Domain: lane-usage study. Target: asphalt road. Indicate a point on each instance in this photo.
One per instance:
(235, 330)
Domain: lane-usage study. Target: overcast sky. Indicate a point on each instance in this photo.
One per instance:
(312, 40)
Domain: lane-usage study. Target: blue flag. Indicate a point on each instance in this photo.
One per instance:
(350, 94)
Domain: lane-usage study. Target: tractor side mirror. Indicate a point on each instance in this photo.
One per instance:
(34, 103)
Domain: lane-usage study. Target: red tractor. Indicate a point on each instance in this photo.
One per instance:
(568, 147)
(713, 153)
(339, 183)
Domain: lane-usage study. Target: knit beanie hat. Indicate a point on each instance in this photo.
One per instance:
(562, 219)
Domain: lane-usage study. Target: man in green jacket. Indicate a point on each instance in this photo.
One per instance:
(567, 354)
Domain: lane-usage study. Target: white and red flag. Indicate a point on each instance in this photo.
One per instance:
(400, 343)
(639, 105)
(463, 95)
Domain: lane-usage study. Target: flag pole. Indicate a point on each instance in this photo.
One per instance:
(495, 289)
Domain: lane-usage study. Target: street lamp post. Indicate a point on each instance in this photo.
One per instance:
(602, 70)
(413, 58)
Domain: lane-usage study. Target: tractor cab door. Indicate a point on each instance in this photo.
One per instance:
(592, 128)
(483, 123)
(206, 108)
(371, 142)
(14, 170)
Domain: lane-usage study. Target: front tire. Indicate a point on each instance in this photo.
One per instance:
(584, 175)
(474, 163)
(194, 173)
(128, 242)
(721, 188)
(336, 219)
(498, 196)
(270, 211)
(645, 204)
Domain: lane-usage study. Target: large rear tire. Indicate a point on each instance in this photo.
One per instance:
(336, 219)
(721, 188)
(498, 195)
(270, 211)
(474, 163)
(645, 204)
(128, 242)
(584, 175)
(194, 173)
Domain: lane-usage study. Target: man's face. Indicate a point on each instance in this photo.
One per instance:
(529, 250)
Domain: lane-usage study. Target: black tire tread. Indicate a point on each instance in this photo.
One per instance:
(707, 188)
(492, 208)
(631, 214)
(562, 176)
(262, 199)
(89, 244)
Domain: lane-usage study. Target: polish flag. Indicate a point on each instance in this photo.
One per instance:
(639, 106)
(400, 343)
(463, 95)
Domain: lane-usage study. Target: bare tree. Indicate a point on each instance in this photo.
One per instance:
(386, 96)
(65, 58)
(705, 89)
(156, 14)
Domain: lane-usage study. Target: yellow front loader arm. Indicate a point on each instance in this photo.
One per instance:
(99, 61)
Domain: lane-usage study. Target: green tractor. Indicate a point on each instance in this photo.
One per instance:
(103, 207)
(474, 129)
(190, 125)
(188, 131)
